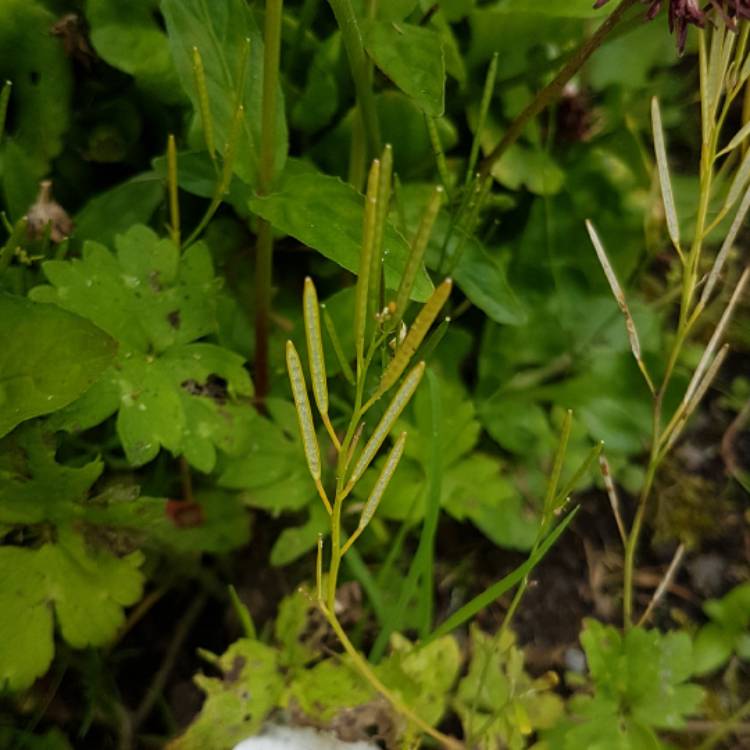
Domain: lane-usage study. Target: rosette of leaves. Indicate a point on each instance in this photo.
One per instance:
(640, 685)
(74, 560)
(168, 387)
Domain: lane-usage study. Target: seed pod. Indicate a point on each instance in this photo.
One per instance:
(204, 107)
(381, 217)
(315, 353)
(414, 337)
(382, 483)
(392, 413)
(304, 414)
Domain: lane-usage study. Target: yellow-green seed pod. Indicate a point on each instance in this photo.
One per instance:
(414, 337)
(416, 255)
(230, 150)
(392, 413)
(376, 259)
(304, 413)
(382, 482)
(204, 106)
(365, 260)
(174, 203)
(314, 337)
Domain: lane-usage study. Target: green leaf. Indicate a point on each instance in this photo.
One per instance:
(497, 699)
(219, 29)
(35, 62)
(644, 674)
(114, 211)
(326, 214)
(129, 38)
(534, 169)
(412, 57)
(237, 704)
(84, 589)
(295, 541)
(167, 390)
(48, 358)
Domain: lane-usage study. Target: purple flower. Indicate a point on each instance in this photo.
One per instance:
(682, 13)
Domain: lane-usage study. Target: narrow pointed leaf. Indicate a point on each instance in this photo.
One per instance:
(673, 225)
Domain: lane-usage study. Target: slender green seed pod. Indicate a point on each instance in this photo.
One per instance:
(382, 482)
(376, 259)
(314, 337)
(230, 150)
(4, 99)
(416, 334)
(174, 204)
(365, 260)
(392, 413)
(484, 107)
(304, 413)
(204, 105)
(416, 255)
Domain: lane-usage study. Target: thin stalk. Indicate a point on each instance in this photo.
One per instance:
(351, 35)
(554, 88)
(264, 246)
(361, 665)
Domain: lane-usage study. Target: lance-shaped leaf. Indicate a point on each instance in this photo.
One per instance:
(414, 338)
(614, 284)
(376, 495)
(673, 225)
(368, 243)
(416, 254)
(392, 413)
(304, 413)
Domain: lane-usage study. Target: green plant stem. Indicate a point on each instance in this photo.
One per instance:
(366, 671)
(712, 740)
(554, 88)
(346, 19)
(264, 246)
(687, 319)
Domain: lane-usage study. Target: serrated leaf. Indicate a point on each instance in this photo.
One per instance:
(412, 57)
(326, 214)
(87, 590)
(48, 357)
(237, 704)
(167, 390)
(219, 29)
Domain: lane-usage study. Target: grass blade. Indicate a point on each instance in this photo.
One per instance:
(484, 107)
(4, 100)
(619, 295)
(578, 474)
(479, 602)
(667, 196)
(414, 337)
(392, 413)
(562, 449)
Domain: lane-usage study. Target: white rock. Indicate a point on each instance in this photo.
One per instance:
(287, 738)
